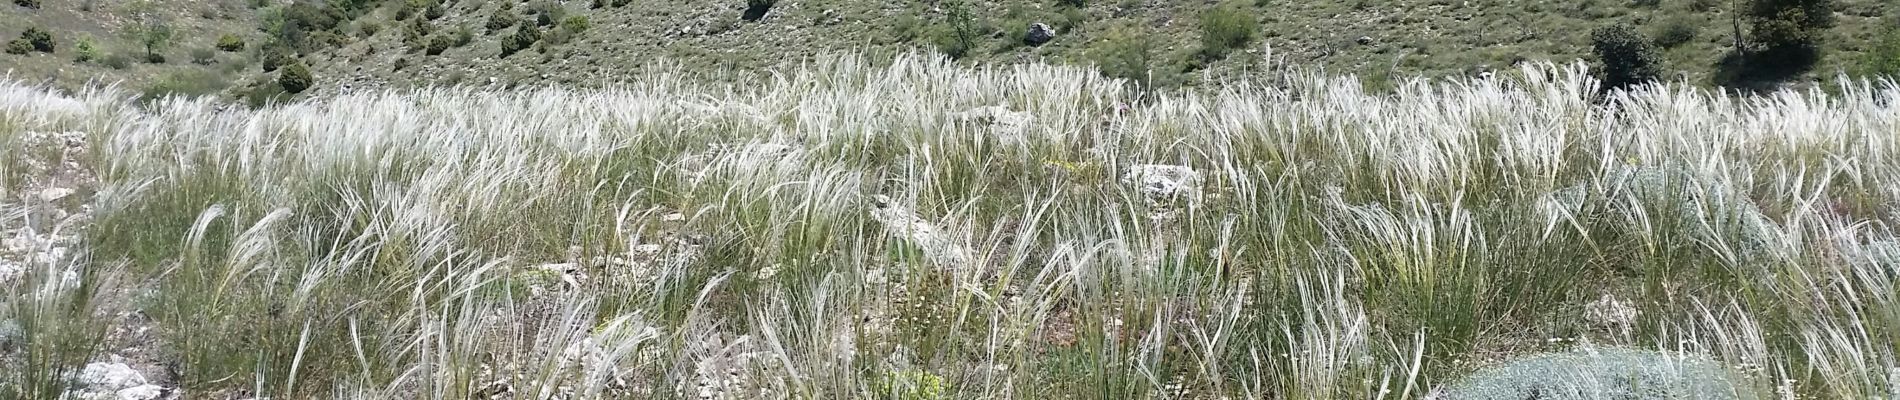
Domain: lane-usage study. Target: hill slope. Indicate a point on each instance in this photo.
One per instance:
(1376, 39)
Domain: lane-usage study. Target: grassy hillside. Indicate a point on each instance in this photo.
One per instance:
(922, 230)
(375, 44)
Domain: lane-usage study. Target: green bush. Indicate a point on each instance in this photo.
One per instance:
(1627, 58)
(1224, 29)
(19, 46)
(523, 38)
(230, 42)
(35, 4)
(39, 38)
(295, 78)
(1603, 373)
(1675, 33)
(439, 44)
(576, 24)
(501, 19)
(86, 50)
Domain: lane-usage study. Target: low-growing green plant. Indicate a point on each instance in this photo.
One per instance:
(19, 46)
(34, 4)
(1224, 29)
(575, 24)
(230, 43)
(911, 385)
(85, 50)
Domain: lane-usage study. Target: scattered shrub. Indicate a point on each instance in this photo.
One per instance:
(621, 3)
(523, 38)
(1627, 58)
(501, 19)
(368, 28)
(275, 57)
(1224, 29)
(295, 78)
(576, 24)
(1675, 33)
(401, 62)
(19, 46)
(85, 50)
(39, 38)
(439, 44)
(1072, 3)
(230, 42)
(34, 4)
(1603, 373)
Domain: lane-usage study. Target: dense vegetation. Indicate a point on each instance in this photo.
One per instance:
(918, 229)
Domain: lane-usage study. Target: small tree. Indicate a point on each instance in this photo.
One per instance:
(1627, 57)
(150, 28)
(40, 40)
(295, 78)
(1784, 36)
(959, 33)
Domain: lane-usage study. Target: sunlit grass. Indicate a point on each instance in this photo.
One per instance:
(673, 238)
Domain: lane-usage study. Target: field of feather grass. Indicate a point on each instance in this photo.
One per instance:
(846, 230)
